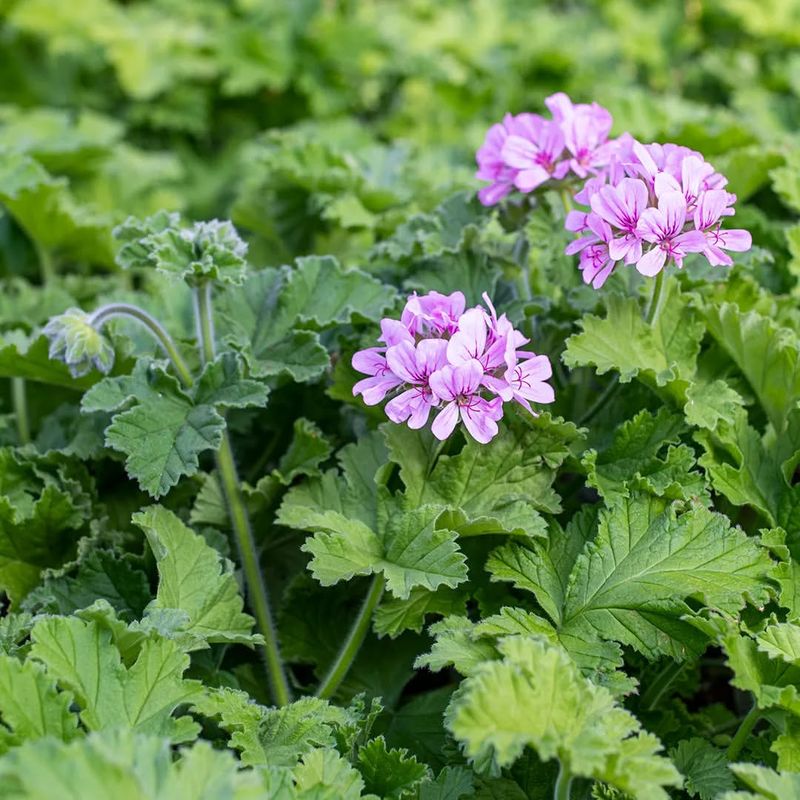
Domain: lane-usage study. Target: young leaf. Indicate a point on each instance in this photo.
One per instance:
(535, 696)
(765, 783)
(194, 579)
(391, 774)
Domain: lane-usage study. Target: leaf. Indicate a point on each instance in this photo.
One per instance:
(704, 767)
(82, 657)
(44, 503)
(452, 783)
(160, 427)
(360, 529)
(632, 459)
(535, 696)
(630, 584)
(391, 774)
(273, 736)
(753, 470)
(273, 318)
(30, 705)
(195, 580)
(766, 354)
(135, 766)
(394, 616)
(325, 775)
(308, 449)
(494, 488)
(764, 782)
(664, 356)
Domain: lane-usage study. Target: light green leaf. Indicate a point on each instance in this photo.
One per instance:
(765, 783)
(535, 696)
(390, 774)
(31, 706)
(82, 657)
(194, 579)
(394, 616)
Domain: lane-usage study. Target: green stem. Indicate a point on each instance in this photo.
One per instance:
(20, 401)
(656, 299)
(46, 267)
(744, 730)
(254, 579)
(563, 783)
(662, 682)
(240, 521)
(354, 640)
(566, 199)
(611, 389)
(111, 311)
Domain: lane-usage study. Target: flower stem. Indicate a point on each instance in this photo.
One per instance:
(563, 783)
(355, 639)
(661, 683)
(743, 731)
(116, 310)
(566, 199)
(240, 520)
(20, 402)
(657, 298)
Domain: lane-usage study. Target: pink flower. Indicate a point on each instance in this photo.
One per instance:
(459, 387)
(713, 205)
(433, 313)
(534, 152)
(373, 362)
(663, 227)
(596, 263)
(414, 365)
(527, 380)
(621, 206)
(491, 165)
(585, 129)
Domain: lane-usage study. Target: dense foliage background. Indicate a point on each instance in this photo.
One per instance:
(348, 129)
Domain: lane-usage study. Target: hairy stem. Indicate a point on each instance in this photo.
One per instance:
(355, 639)
(661, 683)
(563, 783)
(656, 299)
(240, 521)
(744, 730)
(20, 401)
(125, 310)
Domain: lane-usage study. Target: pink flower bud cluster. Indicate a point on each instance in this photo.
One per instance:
(462, 364)
(646, 205)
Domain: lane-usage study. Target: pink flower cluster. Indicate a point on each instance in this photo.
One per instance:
(527, 150)
(664, 203)
(464, 364)
(646, 205)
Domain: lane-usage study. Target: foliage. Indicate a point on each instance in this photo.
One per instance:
(206, 209)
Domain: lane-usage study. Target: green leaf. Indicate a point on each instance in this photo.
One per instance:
(194, 579)
(307, 450)
(394, 616)
(44, 505)
(494, 488)
(273, 736)
(167, 427)
(452, 783)
(630, 584)
(632, 459)
(391, 774)
(134, 766)
(141, 697)
(660, 356)
(765, 783)
(704, 768)
(535, 696)
(31, 707)
(274, 316)
(325, 775)
(766, 354)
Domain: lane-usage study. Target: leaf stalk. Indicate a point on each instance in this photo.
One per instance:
(355, 638)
